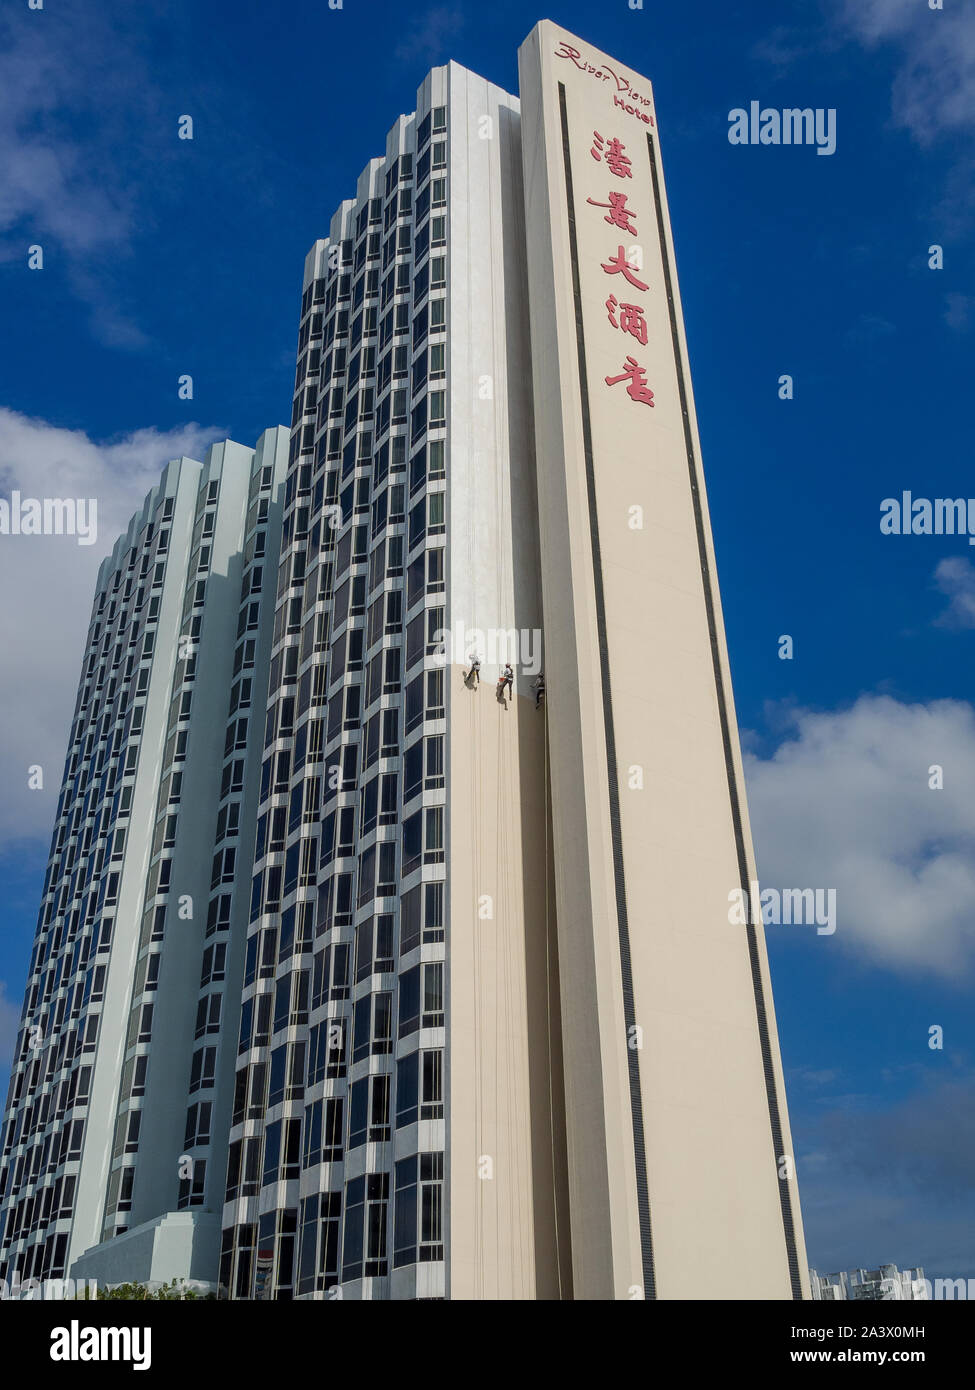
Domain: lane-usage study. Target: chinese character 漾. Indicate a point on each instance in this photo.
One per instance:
(617, 162)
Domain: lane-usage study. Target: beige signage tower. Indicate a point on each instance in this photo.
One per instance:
(680, 1166)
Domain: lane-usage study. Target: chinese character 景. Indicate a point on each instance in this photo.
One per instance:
(619, 214)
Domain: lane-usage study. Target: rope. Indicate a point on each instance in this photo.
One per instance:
(548, 1011)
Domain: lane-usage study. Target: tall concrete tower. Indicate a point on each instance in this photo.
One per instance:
(113, 1155)
(679, 1154)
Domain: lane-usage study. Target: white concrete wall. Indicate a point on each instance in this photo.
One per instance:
(661, 694)
(181, 478)
(501, 1108)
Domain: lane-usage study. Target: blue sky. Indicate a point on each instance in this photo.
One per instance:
(164, 257)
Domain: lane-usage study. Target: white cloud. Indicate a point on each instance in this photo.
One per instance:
(52, 185)
(933, 90)
(9, 1023)
(955, 577)
(881, 19)
(81, 130)
(958, 309)
(425, 41)
(845, 804)
(48, 582)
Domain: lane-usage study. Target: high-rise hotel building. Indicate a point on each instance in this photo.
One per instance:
(123, 1076)
(464, 1015)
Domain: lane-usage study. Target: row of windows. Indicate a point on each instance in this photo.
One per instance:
(91, 752)
(420, 1003)
(329, 1128)
(363, 392)
(421, 922)
(209, 1011)
(210, 1005)
(373, 1236)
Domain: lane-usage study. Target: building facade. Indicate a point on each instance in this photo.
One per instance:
(886, 1284)
(474, 1022)
(114, 1141)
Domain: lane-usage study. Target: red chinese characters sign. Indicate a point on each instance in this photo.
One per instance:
(625, 316)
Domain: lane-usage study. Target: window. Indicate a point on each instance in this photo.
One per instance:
(373, 1025)
(419, 1088)
(433, 929)
(323, 1132)
(214, 961)
(431, 1095)
(434, 769)
(410, 911)
(145, 1024)
(435, 514)
(203, 1069)
(407, 1090)
(138, 1076)
(412, 850)
(413, 771)
(418, 1210)
(364, 1246)
(197, 1125)
(374, 947)
(432, 1015)
(208, 1014)
(132, 1131)
(192, 1189)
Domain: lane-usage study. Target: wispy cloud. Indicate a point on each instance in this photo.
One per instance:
(48, 582)
(845, 803)
(427, 38)
(955, 577)
(785, 45)
(958, 310)
(814, 1079)
(81, 130)
(9, 1023)
(868, 329)
(931, 59)
(933, 88)
(894, 1183)
(49, 184)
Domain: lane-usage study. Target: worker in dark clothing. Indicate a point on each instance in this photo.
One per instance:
(539, 688)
